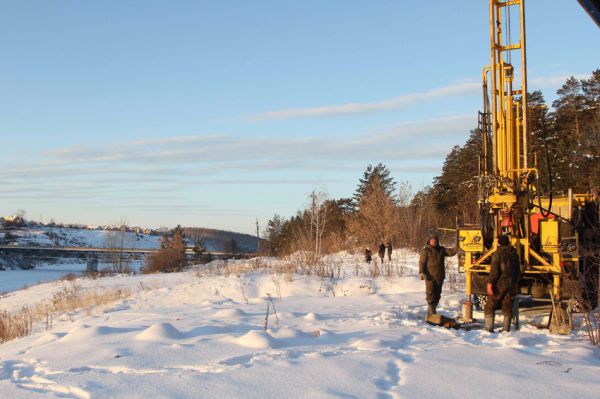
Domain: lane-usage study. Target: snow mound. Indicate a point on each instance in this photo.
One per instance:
(47, 338)
(255, 339)
(85, 332)
(310, 316)
(159, 332)
(292, 333)
(228, 314)
(368, 345)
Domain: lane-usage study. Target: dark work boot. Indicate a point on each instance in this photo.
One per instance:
(489, 323)
(506, 327)
(430, 310)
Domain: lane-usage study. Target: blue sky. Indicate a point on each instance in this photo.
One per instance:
(217, 113)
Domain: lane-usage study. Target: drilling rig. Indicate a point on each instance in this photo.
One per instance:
(554, 234)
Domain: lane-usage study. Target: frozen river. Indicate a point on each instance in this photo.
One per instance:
(12, 280)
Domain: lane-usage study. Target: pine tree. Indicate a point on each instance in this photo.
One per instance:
(377, 217)
(382, 175)
(591, 139)
(178, 231)
(455, 191)
(274, 234)
(170, 257)
(541, 138)
(338, 213)
(199, 248)
(576, 124)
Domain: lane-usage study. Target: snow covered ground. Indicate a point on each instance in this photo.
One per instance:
(201, 335)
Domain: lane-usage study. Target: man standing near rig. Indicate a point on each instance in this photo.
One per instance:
(432, 269)
(502, 282)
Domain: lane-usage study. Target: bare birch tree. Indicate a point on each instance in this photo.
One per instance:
(317, 212)
(119, 240)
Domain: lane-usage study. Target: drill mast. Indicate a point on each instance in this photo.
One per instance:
(506, 174)
(509, 116)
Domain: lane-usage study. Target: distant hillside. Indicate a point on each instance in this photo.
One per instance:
(51, 236)
(19, 232)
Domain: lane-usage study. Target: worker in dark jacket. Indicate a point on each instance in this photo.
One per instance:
(368, 255)
(389, 250)
(381, 251)
(502, 283)
(432, 269)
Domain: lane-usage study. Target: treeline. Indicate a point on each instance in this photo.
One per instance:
(380, 210)
(565, 146)
(220, 240)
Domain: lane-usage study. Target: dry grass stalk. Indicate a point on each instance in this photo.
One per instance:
(15, 325)
(66, 301)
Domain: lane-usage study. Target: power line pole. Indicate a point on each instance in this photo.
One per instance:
(257, 237)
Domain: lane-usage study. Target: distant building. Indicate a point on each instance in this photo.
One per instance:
(13, 220)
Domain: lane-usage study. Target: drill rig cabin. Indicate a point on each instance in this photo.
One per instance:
(555, 234)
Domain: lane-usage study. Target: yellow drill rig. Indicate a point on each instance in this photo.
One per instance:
(552, 233)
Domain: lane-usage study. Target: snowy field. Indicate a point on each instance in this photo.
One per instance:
(198, 334)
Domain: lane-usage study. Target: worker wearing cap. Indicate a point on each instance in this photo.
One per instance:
(432, 269)
(504, 278)
(368, 255)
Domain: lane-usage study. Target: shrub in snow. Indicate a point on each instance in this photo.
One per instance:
(169, 258)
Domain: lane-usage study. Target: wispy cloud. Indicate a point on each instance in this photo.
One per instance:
(201, 155)
(363, 107)
(164, 141)
(470, 87)
(186, 166)
(537, 82)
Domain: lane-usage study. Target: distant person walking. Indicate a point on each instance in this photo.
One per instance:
(502, 283)
(368, 255)
(432, 269)
(389, 250)
(381, 251)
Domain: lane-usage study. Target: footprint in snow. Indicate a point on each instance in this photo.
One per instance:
(389, 384)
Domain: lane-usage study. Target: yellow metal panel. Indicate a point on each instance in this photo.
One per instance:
(549, 235)
(470, 240)
(503, 199)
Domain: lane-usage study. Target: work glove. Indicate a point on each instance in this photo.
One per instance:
(490, 289)
(422, 276)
